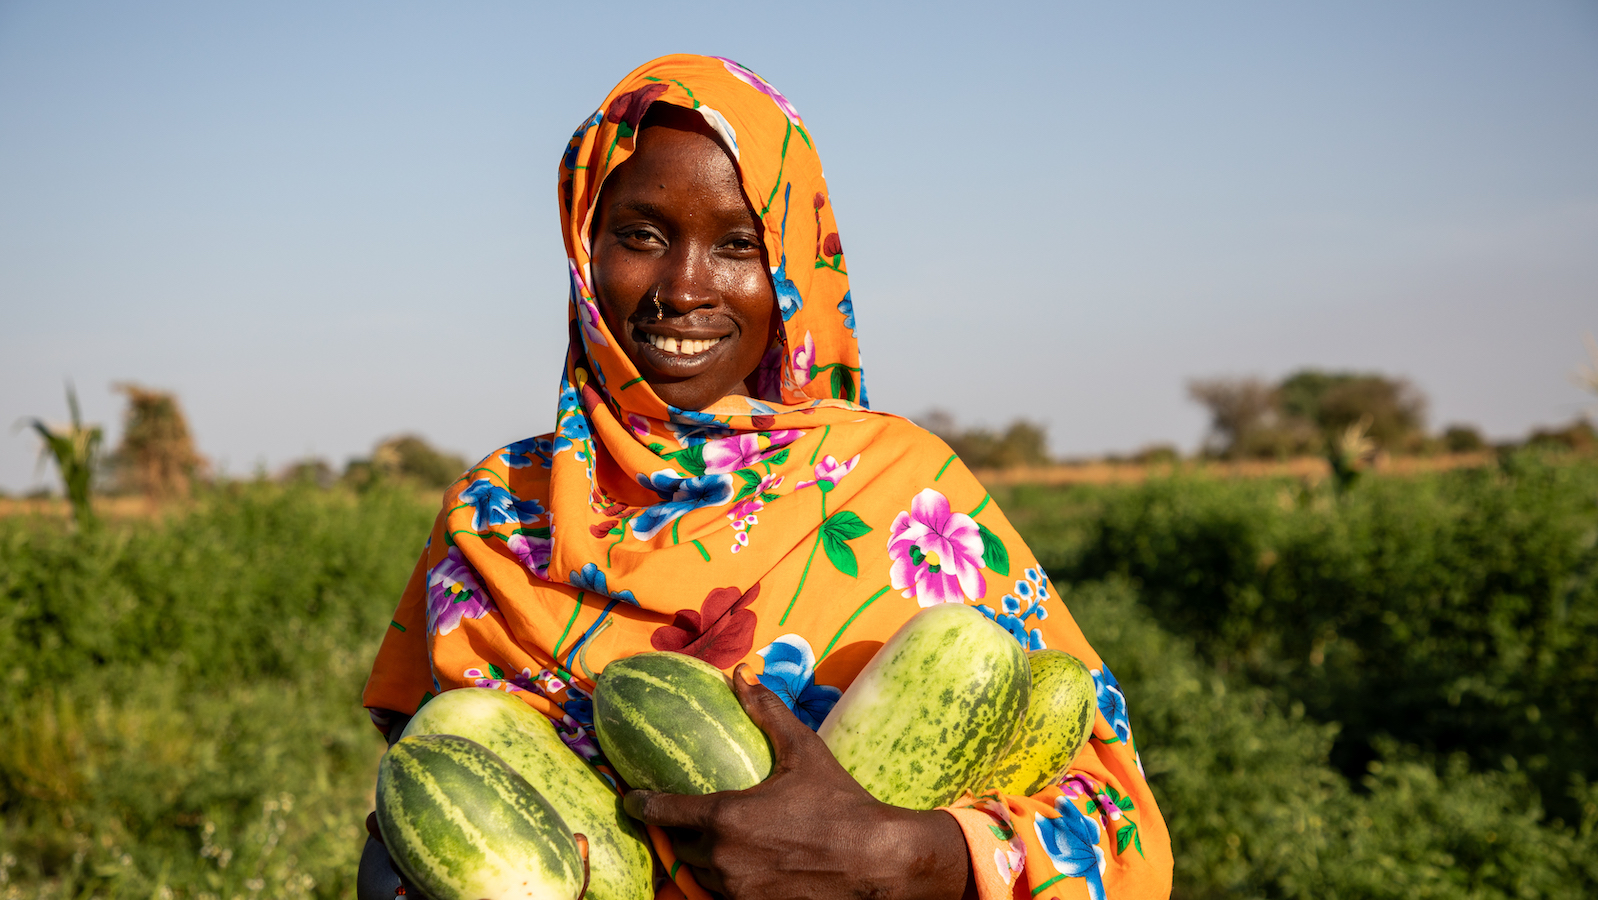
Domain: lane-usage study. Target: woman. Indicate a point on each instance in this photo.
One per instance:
(717, 485)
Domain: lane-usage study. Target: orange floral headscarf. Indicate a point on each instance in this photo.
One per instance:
(795, 530)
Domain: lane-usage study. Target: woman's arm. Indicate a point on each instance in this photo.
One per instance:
(376, 878)
(809, 830)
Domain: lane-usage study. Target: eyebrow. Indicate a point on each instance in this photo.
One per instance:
(656, 211)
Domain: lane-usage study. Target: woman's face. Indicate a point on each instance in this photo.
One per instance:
(672, 226)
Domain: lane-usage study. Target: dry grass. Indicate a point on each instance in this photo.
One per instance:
(1309, 468)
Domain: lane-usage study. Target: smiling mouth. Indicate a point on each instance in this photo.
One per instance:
(684, 347)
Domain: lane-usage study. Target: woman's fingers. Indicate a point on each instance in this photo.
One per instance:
(670, 810)
(768, 711)
(372, 829)
(582, 851)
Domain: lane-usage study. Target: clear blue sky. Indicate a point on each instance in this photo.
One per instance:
(324, 223)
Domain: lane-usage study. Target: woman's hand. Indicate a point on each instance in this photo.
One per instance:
(809, 830)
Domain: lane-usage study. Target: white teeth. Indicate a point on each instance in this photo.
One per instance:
(683, 347)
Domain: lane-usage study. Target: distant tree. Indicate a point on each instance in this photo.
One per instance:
(1333, 401)
(157, 456)
(1578, 436)
(1463, 439)
(406, 458)
(312, 470)
(76, 450)
(1022, 443)
(1157, 455)
(1240, 410)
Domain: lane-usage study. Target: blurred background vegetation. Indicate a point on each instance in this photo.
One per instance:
(1376, 687)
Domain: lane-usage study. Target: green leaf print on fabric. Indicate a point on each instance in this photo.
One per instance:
(993, 552)
(836, 532)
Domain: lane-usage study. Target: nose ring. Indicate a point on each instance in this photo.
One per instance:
(660, 309)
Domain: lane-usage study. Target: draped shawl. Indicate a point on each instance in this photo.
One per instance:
(795, 530)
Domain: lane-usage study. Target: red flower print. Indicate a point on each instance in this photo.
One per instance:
(628, 109)
(831, 245)
(603, 528)
(821, 199)
(721, 632)
(764, 423)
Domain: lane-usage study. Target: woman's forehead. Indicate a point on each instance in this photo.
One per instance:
(676, 173)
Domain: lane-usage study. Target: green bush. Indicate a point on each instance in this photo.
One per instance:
(180, 699)
(1256, 810)
(1455, 612)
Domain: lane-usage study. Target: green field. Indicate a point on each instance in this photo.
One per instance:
(1391, 693)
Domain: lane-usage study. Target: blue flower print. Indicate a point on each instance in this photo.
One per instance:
(579, 705)
(591, 578)
(791, 674)
(520, 455)
(571, 422)
(788, 299)
(689, 435)
(760, 409)
(691, 416)
(1112, 703)
(1072, 842)
(496, 506)
(846, 306)
(680, 494)
(569, 161)
(1026, 602)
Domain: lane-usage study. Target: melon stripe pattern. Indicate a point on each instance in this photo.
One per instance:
(459, 824)
(934, 710)
(670, 722)
(618, 857)
(1058, 723)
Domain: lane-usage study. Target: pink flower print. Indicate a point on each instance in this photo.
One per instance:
(804, 356)
(587, 312)
(743, 513)
(453, 594)
(764, 87)
(936, 553)
(729, 454)
(638, 425)
(532, 551)
(574, 735)
(830, 472)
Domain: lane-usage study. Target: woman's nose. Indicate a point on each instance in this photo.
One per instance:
(687, 282)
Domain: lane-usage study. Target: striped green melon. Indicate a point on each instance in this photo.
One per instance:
(935, 708)
(459, 824)
(1059, 721)
(618, 855)
(670, 722)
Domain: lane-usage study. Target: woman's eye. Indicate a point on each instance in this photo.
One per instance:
(638, 236)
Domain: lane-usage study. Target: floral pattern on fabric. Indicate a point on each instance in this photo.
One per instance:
(1026, 602)
(591, 578)
(679, 494)
(1071, 839)
(790, 673)
(936, 552)
(720, 632)
(454, 594)
(1112, 703)
(493, 505)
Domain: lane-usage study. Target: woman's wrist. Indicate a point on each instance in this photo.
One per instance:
(929, 857)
